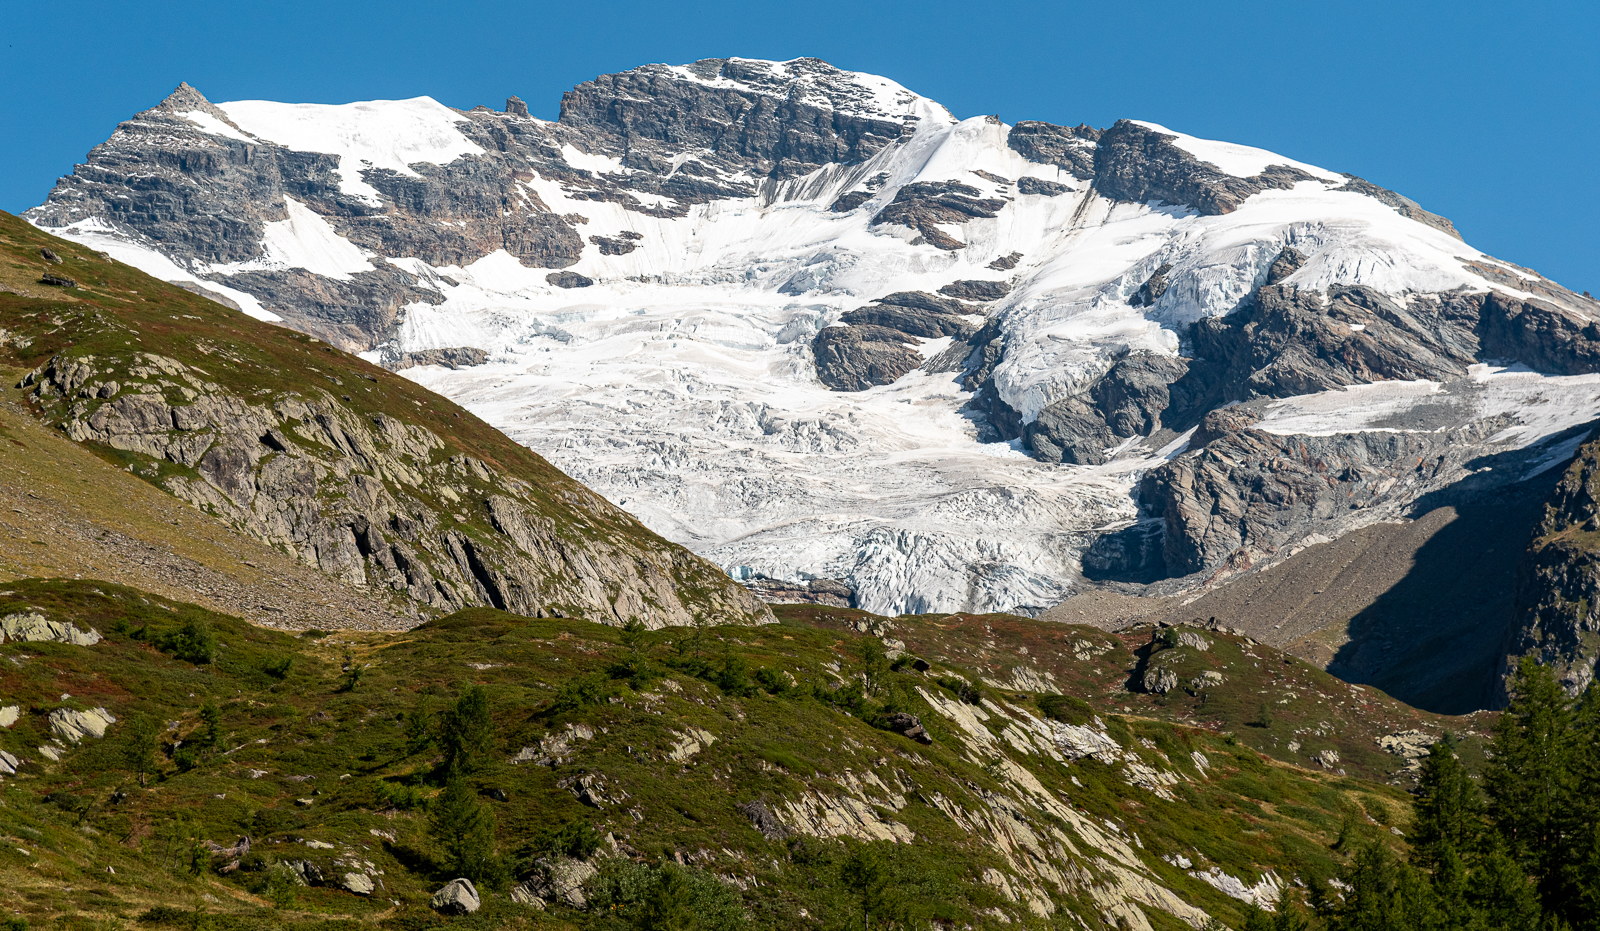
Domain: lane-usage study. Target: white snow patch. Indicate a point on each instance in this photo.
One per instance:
(1240, 160)
(214, 126)
(392, 134)
(304, 240)
(583, 161)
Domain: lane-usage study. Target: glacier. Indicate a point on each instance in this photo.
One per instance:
(680, 383)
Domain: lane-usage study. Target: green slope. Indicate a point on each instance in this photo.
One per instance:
(670, 736)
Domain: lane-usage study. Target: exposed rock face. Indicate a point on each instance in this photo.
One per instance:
(205, 199)
(830, 592)
(972, 290)
(650, 114)
(1250, 493)
(1288, 342)
(925, 204)
(33, 627)
(1558, 584)
(73, 726)
(855, 358)
(374, 501)
(1152, 289)
(1127, 401)
(1135, 163)
(1032, 185)
(915, 313)
(457, 357)
(1068, 147)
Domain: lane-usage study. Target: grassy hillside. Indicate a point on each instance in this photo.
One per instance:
(766, 761)
(342, 465)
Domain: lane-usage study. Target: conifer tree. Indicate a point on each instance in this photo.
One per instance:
(1530, 779)
(466, 732)
(462, 827)
(1448, 810)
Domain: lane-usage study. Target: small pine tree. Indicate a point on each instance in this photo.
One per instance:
(136, 746)
(864, 873)
(462, 827)
(466, 732)
(874, 664)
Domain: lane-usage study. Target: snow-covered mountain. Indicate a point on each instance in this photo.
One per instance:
(813, 326)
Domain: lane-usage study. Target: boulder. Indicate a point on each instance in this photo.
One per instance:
(569, 280)
(8, 764)
(72, 725)
(9, 715)
(1159, 680)
(909, 725)
(458, 897)
(561, 881)
(34, 627)
(362, 884)
(523, 894)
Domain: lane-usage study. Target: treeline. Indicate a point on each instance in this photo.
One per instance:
(1521, 852)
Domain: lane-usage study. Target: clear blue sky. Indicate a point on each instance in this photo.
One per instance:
(1486, 112)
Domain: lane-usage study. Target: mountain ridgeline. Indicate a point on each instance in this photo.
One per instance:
(711, 292)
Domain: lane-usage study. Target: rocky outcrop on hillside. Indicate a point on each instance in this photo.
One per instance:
(758, 118)
(1135, 163)
(1558, 584)
(926, 204)
(876, 344)
(375, 501)
(1249, 496)
(1068, 147)
(1127, 401)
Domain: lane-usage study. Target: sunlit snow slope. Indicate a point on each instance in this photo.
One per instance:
(681, 383)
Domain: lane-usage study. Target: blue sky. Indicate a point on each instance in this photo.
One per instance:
(1488, 113)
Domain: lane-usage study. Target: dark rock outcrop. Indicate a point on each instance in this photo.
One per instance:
(1127, 401)
(914, 313)
(455, 357)
(1135, 163)
(569, 280)
(849, 201)
(651, 114)
(909, 725)
(1558, 583)
(1068, 147)
(1030, 185)
(831, 592)
(924, 204)
(1153, 287)
(1249, 493)
(515, 107)
(855, 358)
(1006, 262)
(974, 290)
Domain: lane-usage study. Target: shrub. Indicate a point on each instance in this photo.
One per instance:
(193, 642)
(1066, 709)
(278, 666)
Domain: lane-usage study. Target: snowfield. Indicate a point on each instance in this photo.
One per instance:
(681, 386)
